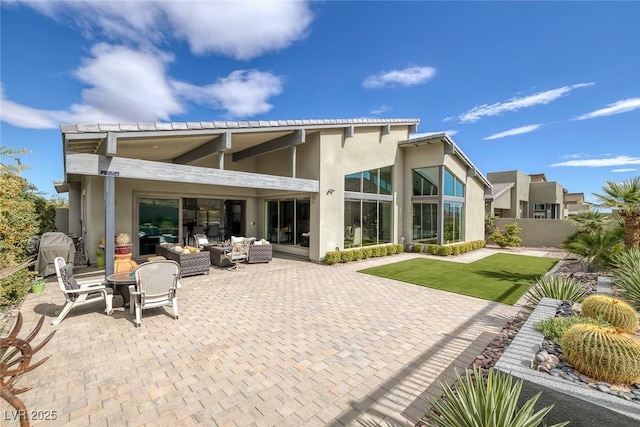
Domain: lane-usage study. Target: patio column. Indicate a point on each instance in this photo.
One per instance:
(109, 222)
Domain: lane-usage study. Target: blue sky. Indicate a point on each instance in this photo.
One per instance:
(541, 87)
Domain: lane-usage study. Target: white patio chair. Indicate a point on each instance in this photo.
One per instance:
(77, 293)
(238, 253)
(156, 285)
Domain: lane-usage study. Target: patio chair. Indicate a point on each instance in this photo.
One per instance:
(201, 240)
(77, 293)
(156, 285)
(237, 253)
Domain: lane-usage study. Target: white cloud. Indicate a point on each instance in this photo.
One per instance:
(511, 132)
(517, 103)
(450, 132)
(241, 93)
(125, 85)
(411, 76)
(383, 109)
(596, 163)
(572, 156)
(623, 170)
(242, 29)
(616, 108)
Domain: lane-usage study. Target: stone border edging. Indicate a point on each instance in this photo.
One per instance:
(518, 356)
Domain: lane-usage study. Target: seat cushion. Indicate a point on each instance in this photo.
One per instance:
(69, 281)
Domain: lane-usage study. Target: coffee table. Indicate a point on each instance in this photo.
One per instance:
(121, 281)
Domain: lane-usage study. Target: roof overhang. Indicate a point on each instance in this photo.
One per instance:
(450, 148)
(191, 143)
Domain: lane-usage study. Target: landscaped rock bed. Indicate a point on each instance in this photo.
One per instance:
(568, 268)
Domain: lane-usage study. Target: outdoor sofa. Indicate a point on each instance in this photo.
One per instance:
(190, 263)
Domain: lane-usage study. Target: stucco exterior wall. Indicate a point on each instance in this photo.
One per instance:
(536, 233)
(366, 150)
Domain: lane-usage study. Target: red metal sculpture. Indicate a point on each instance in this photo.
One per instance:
(15, 360)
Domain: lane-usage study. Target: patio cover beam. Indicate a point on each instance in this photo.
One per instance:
(296, 138)
(93, 164)
(220, 143)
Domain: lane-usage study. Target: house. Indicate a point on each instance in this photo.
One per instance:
(517, 195)
(574, 203)
(307, 186)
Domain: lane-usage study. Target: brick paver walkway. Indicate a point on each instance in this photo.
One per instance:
(284, 343)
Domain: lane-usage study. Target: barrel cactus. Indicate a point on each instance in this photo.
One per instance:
(603, 354)
(617, 312)
(122, 239)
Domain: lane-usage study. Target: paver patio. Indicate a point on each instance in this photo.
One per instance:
(284, 343)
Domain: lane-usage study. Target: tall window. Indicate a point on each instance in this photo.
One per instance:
(425, 222)
(453, 214)
(425, 181)
(287, 220)
(367, 222)
(452, 185)
(367, 207)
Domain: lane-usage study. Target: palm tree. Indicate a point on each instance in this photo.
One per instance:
(625, 198)
(589, 221)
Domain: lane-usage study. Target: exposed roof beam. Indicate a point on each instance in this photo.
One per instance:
(120, 167)
(296, 138)
(221, 143)
(112, 144)
(349, 131)
(449, 148)
(385, 129)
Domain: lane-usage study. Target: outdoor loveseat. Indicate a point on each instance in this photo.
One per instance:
(190, 263)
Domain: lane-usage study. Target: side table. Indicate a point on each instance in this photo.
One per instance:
(216, 254)
(121, 281)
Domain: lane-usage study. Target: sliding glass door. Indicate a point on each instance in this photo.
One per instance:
(158, 221)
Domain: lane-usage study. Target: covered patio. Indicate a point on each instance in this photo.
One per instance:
(285, 343)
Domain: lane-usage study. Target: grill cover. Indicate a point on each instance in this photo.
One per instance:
(52, 245)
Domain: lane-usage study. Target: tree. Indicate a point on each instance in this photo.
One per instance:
(624, 197)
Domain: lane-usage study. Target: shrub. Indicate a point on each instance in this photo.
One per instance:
(627, 275)
(14, 288)
(556, 287)
(617, 312)
(331, 258)
(455, 250)
(602, 353)
(555, 327)
(357, 254)
(507, 237)
(346, 256)
(382, 250)
(433, 249)
(367, 252)
(399, 248)
(444, 250)
(474, 403)
(418, 248)
(391, 249)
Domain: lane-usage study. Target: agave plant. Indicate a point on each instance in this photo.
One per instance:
(556, 287)
(476, 404)
(627, 271)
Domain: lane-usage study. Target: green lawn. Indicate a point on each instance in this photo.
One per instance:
(501, 277)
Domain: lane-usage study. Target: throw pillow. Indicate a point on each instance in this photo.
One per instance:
(68, 280)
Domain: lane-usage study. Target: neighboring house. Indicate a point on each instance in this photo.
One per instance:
(308, 186)
(574, 203)
(517, 195)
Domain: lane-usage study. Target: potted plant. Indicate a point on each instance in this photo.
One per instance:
(37, 285)
(123, 244)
